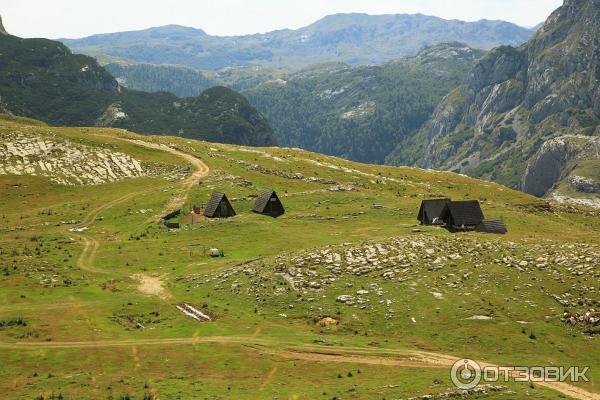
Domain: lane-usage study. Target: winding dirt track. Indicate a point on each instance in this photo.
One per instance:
(91, 245)
(201, 171)
(85, 260)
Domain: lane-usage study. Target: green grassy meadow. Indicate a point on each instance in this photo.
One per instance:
(72, 321)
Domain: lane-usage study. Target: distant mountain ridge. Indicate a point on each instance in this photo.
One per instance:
(41, 78)
(355, 39)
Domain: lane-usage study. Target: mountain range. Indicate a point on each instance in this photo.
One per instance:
(517, 104)
(525, 116)
(355, 39)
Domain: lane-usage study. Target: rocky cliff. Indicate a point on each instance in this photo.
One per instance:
(558, 160)
(2, 30)
(518, 98)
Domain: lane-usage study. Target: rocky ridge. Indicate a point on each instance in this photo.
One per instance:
(517, 98)
(555, 161)
(2, 30)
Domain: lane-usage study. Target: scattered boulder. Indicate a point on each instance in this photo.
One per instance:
(214, 252)
(327, 322)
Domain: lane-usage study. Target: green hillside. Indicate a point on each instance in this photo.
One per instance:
(42, 79)
(343, 296)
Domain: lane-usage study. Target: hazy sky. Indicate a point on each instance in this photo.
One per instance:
(77, 18)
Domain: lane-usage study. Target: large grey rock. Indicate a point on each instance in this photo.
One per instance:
(551, 163)
(585, 185)
(499, 65)
(113, 113)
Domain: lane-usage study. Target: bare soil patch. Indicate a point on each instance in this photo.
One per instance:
(152, 286)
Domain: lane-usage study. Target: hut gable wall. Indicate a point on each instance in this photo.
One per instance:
(268, 203)
(430, 210)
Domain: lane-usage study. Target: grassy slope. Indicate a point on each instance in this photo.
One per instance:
(37, 260)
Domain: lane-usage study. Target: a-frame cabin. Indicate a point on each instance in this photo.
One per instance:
(268, 203)
(219, 206)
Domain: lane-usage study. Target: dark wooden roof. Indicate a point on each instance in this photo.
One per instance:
(467, 213)
(268, 202)
(492, 226)
(212, 207)
(213, 203)
(262, 200)
(431, 209)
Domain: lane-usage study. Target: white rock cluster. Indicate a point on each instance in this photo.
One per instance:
(439, 265)
(64, 162)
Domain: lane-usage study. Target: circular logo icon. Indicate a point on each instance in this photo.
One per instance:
(465, 374)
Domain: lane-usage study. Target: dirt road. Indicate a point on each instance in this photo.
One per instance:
(339, 354)
(91, 245)
(201, 171)
(85, 261)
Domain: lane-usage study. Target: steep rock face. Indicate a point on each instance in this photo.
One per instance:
(555, 160)
(2, 30)
(517, 98)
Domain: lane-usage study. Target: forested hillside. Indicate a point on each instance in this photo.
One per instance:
(361, 113)
(181, 81)
(184, 81)
(42, 79)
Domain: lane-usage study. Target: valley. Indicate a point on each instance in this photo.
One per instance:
(446, 105)
(386, 206)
